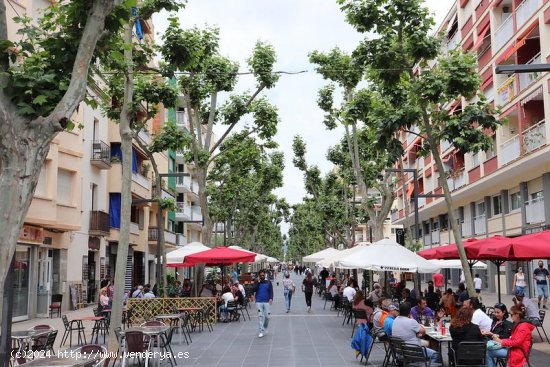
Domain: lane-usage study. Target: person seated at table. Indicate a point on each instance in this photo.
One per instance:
(532, 311)
(393, 312)
(421, 310)
(147, 292)
(186, 288)
(375, 295)
(103, 299)
(349, 291)
(501, 326)
(138, 292)
(406, 296)
(333, 289)
(241, 287)
(463, 330)
(517, 346)
(448, 303)
(237, 294)
(479, 317)
(378, 318)
(410, 331)
(432, 298)
(226, 297)
(359, 304)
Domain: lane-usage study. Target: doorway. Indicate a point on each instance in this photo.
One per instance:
(44, 291)
(92, 287)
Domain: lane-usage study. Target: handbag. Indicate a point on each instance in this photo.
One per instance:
(493, 345)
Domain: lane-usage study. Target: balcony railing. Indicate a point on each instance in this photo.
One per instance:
(140, 180)
(184, 183)
(99, 221)
(134, 228)
(421, 202)
(183, 210)
(169, 237)
(195, 187)
(181, 240)
(504, 32)
(456, 181)
(509, 150)
(525, 10)
(534, 137)
(427, 239)
(394, 216)
(453, 41)
(197, 214)
(526, 79)
(479, 224)
(534, 210)
(181, 120)
(435, 237)
(465, 227)
(144, 136)
(101, 155)
(506, 91)
(411, 137)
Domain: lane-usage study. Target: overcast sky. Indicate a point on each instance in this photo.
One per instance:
(294, 28)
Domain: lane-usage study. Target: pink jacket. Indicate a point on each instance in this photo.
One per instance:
(519, 342)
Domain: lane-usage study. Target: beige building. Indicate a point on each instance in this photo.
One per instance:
(501, 191)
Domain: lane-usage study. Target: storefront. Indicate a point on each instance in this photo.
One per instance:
(21, 283)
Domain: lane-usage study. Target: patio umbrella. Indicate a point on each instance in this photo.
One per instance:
(220, 256)
(532, 246)
(320, 255)
(331, 261)
(272, 260)
(428, 254)
(455, 264)
(387, 255)
(176, 258)
(449, 252)
(257, 259)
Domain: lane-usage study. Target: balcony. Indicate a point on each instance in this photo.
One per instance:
(101, 155)
(411, 136)
(479, 224)
(509, 150)
(195, 187)
(141, 180)
(534, 210)
(134, 228)
(394, 216)
(534, 137)
(506, 91)
(182, 120)
(197, 214)
(525, 10)
(421, 202)
(181, 240)
(144, 136)
(453, 41)
(183, 184)
(183, 212)
(457, 181)
(526, 79)
(504, 32)
(99, 223)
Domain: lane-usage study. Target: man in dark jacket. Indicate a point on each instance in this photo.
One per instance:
(263, 296)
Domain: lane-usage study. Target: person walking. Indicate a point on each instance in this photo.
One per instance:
(263, 296)
(477, 285)
(288, 288)
(519, 281)
(307, 288)
(541, 280)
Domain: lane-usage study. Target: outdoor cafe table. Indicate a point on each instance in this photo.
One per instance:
(24, 337)
(60, 361)
(173, 319)
(439, 338)
(153, 332)
(193, 311)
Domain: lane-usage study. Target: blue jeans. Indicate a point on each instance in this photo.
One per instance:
(264, 310)
(432, 355)
(288, 299)
(542, 290)
(498, 353)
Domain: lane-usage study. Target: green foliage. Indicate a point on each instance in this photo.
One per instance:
(168, 204)
(148, 7)
(171, 137)
(306, 230)
(338, 67)
(261, 63)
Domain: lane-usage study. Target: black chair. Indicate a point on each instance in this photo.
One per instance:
(470, 354)
(127, 318)
(47, 345)
(204, 318)
(346, 310)
(414, 355)
(244, 308)
(394, 356)
(166, 345)
(231, 311)
(329, 298)
(55, 305)
(71, 326)
(357, 314)
(539, 324)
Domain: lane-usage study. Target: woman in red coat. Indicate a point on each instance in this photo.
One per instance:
(519, 342)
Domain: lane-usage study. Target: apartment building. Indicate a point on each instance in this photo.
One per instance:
(70, 234)
(501, 191)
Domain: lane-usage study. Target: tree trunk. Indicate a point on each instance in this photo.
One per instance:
(126, 200)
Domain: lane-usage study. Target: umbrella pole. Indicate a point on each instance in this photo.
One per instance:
(498, 264)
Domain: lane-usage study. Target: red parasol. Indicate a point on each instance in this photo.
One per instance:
(428, 254)
(449, 252)
(496, 248)
(220, 256)
(532, 246)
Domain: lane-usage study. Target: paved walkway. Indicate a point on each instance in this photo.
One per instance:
(295, 339)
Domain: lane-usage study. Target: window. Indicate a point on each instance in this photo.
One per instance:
(445, 222)
(497, 205)
(536, 196)
(515, 201)
(42, 184)
(392, 230)
(435, 226)
(475, 160)
(480, 209)
(65, 187)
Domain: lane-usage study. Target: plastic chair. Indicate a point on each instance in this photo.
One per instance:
(55, 305)
(470, 354)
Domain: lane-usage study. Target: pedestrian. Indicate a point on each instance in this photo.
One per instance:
(519, 281)
(288, 288)
(307, 287)
(438, 280)
(477, 285)
(263, 296)
(541, 280)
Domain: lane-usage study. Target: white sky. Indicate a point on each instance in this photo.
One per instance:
(294, 28)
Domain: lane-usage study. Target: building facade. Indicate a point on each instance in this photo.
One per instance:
(501, 191)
